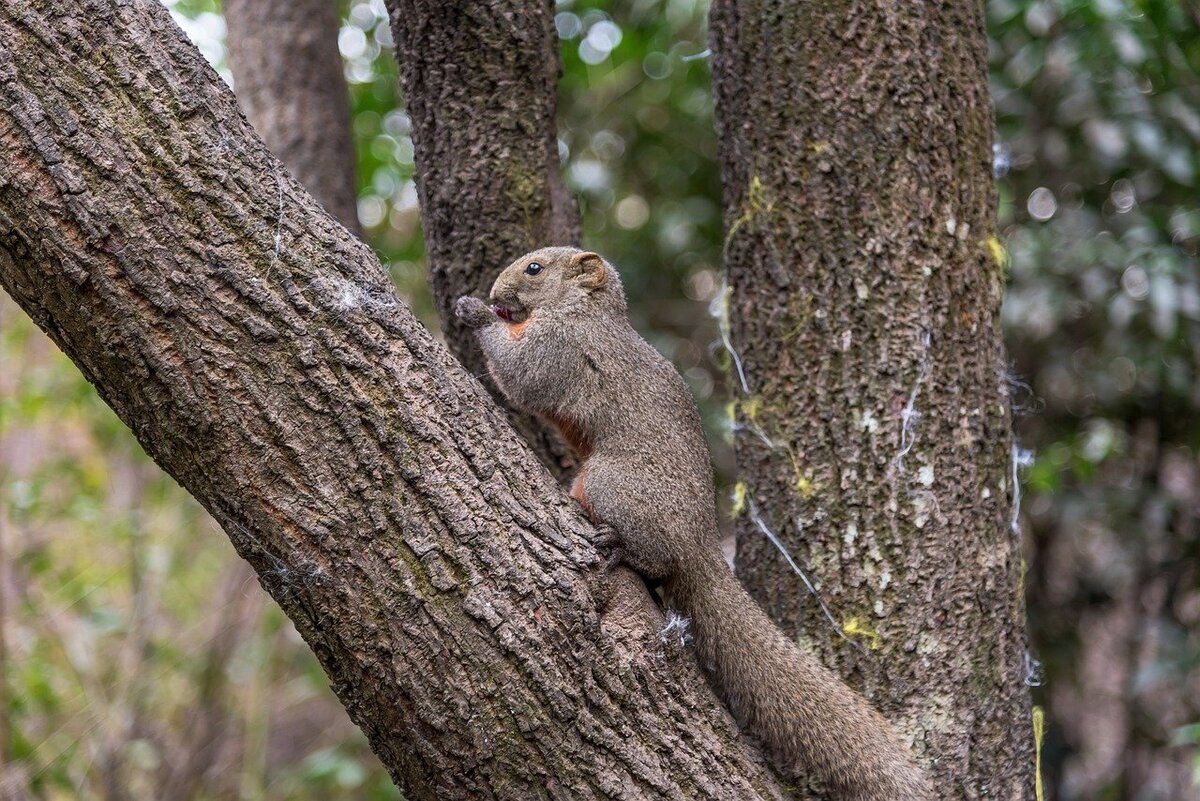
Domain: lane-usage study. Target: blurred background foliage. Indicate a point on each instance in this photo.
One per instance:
(1098, 117)
(139, 658)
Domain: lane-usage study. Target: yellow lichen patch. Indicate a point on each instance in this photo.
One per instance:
(750, 408)
(804, 485)
(525, 188)
(739, 499)
(857, 627)
(818, 147)
(747, 409)
(1039, 731)
(998, 252)
(756, 203)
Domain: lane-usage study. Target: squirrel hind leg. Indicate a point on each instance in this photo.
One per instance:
(611, 496)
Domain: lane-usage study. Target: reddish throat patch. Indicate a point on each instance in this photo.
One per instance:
(515, 330)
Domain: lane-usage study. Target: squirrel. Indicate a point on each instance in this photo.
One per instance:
(558, 342)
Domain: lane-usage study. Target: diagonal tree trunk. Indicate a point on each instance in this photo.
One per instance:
(480, 82)
(874, 431)
(287, 73)
(256, 349)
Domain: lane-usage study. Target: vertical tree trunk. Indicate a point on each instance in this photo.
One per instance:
(479, 83)
(288, 78)
(874, 430)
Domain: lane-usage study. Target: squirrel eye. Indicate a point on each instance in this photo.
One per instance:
(533, 269)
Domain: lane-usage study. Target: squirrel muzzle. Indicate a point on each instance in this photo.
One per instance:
(512, 311)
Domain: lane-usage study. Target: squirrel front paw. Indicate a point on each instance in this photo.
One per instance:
(473, 312)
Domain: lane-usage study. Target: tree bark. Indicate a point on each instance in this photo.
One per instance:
(480, 82)
(874, 432)
(288, 77)
(258, 352)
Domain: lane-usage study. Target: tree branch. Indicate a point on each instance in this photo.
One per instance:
(259, 354)
(480, 84)
(288, 75)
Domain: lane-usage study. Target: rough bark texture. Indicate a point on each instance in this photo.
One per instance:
(479, 84)
(874, 434)
(287, 74)
(258, 352)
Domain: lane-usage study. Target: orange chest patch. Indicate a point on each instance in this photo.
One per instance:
(516, 330)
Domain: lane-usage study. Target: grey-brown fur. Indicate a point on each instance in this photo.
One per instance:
(568, 352)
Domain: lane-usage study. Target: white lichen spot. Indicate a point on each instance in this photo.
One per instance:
(846, 338)
(885, 579)
(925, 475)
(927, 643)
(951, 226)
(860, 289)
(870, 422)
(987, 493)
(879, 607)
(851, 534)
(920, 512)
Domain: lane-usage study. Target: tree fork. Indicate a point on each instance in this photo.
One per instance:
(288, 76)
(480, 86)
(258, 352)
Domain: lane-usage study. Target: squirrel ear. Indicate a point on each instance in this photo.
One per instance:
(590, 268)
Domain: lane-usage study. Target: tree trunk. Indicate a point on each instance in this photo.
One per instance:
(874, 430)
(258, 352)
(287, 73)
(480, 84)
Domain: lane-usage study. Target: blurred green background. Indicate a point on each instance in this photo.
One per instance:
(140, 659)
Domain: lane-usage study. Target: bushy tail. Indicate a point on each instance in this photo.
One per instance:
(800, 710)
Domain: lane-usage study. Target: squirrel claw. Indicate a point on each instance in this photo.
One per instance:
(616, 558)
(608, 542)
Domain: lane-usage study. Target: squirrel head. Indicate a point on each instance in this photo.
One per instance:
(556, 279)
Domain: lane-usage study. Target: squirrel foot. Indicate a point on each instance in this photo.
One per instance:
(608, 543)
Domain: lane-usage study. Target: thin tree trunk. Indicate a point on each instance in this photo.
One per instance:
(874, 431)
(258, 352)
(288, 77)
(480, 84)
